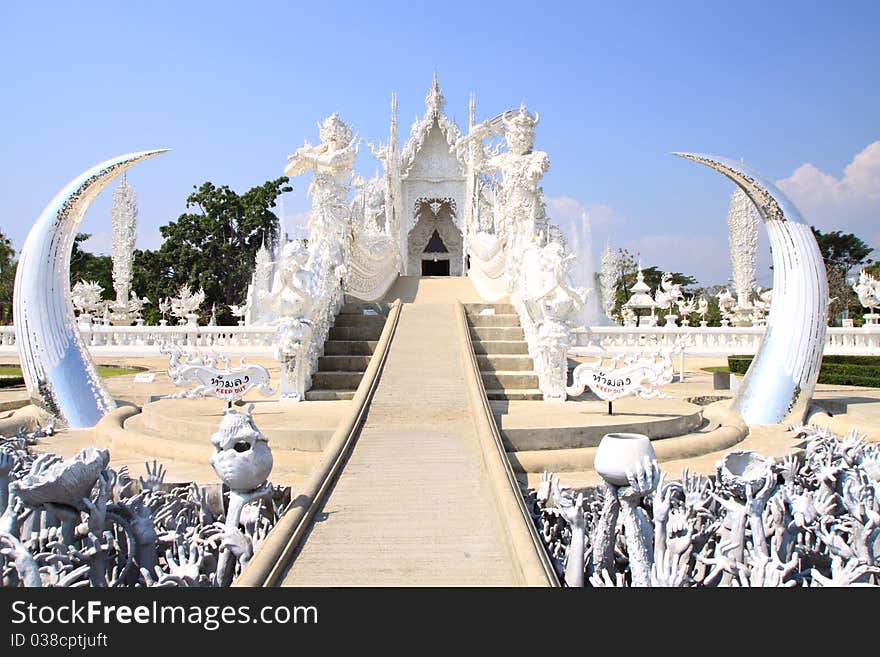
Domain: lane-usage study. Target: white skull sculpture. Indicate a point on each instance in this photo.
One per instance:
(242, 458)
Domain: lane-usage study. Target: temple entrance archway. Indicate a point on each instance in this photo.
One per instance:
(434, 245)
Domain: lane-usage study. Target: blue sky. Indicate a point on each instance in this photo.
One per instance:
(234, 87)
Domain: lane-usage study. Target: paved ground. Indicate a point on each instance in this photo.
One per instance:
(434, 289)
(413, 504)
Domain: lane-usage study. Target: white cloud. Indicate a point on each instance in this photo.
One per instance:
(564, 210)
(850, 203)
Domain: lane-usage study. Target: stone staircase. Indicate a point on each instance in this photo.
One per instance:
(347, 351)
(502, 354)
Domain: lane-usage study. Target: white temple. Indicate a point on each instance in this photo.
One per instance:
(447, 204)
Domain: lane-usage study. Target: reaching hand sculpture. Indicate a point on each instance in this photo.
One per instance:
(163, 536)
(813, 521)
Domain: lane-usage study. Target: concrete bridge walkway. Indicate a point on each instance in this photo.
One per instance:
(413, 505)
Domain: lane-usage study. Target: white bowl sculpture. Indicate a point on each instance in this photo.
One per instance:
(741, 469)
(619, 452)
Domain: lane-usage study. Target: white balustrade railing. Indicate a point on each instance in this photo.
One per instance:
(718, 340)
(699, 340)
(146, 339)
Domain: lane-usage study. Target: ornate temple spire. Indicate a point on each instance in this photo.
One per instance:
(123, 216)
(435, 99)
(742, 224)
(472, 111)
(392, 140)
(607, 279)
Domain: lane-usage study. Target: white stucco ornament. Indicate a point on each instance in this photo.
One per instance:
(636, 375)
(223, 382)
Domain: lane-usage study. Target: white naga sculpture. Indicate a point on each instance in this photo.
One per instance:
(867, 288)
(185, 306)
(86, 298)
(373, 256)
(667, 295)
(123, 216)
(292, 302)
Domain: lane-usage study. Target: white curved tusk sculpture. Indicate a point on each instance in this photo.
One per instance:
(782, 377)
(57, 368)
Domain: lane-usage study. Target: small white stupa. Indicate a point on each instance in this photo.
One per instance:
(641, 298)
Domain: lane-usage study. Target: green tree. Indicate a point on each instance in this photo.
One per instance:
(86, 266)
(842, 253)
(8, 266)
(212, 248)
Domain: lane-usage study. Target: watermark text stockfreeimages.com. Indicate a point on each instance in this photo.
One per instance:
(209, 617)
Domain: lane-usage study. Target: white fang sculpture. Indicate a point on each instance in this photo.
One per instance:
(58, 371)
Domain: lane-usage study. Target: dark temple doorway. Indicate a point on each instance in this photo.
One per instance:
(435, 267)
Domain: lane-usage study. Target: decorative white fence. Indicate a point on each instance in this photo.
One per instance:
(710, 341)
(714, 341)
(145, 340)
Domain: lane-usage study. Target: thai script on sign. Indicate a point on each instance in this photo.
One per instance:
(622, 376)
(213, 381)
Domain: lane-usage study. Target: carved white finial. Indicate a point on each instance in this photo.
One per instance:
(435, 99)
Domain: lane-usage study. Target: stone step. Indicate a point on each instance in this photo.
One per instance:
(494, 320)
(355, 332)
(499, 347)
(509, 380)
(349, 347)
(343, 363)
(500, 308)
(358, 319)
(496, 333)
(336, 380)
(352, 305)
(505, 363)
(329, 395)
(497, 394)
